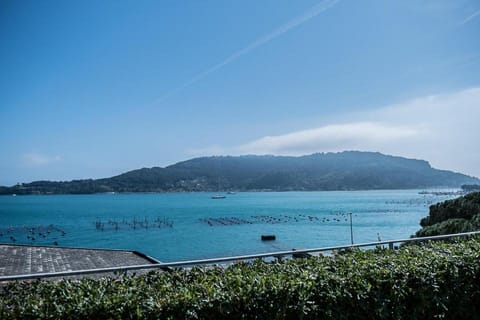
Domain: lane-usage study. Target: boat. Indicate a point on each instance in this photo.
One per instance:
(218, 196)
(231, 192)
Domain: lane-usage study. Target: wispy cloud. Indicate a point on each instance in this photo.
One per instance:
(297, 21)
(333, 137)
(470, 18)
(35, 159)
(440, 128)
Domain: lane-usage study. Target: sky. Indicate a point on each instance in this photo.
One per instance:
(92, 89)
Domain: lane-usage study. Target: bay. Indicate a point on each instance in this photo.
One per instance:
(180, 226)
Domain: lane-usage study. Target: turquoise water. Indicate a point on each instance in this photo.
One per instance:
(183, 226)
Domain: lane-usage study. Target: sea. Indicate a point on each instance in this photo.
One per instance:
(183, 226)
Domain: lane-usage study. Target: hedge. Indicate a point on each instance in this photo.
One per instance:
(434, 280)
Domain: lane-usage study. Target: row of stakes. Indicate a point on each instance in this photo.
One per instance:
(412, 202)
(34, 233)
(133, 224)
(268, 219)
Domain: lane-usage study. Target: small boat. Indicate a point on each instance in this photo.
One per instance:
(268, 237)
(218, 197)
(231, 192)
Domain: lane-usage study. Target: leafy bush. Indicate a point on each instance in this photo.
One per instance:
(463, 207)
(434, 280)
(452, 216)
(449, 226)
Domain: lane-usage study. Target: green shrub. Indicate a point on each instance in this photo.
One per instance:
(449, 226)
(465, 207)
(434, 280)
(452, 216)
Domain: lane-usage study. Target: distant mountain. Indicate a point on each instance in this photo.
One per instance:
(349, 170)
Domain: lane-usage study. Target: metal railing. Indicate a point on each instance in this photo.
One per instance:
(277, 254)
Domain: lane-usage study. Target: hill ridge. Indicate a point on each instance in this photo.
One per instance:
(347, 170)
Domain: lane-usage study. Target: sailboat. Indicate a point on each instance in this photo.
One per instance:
(218, 196)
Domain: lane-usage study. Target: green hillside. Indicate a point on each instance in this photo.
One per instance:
(326, 171)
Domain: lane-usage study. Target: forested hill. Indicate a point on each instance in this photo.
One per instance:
(350, 170)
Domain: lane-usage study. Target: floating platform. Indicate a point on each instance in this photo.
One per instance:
(27, 259)
(268, 237)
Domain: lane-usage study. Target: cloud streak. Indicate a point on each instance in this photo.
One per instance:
(470, 18)
(297, 21)
(333, 137)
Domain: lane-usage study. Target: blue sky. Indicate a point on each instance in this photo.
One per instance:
(91, 89)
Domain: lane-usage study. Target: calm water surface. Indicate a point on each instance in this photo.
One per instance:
(192, 225)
